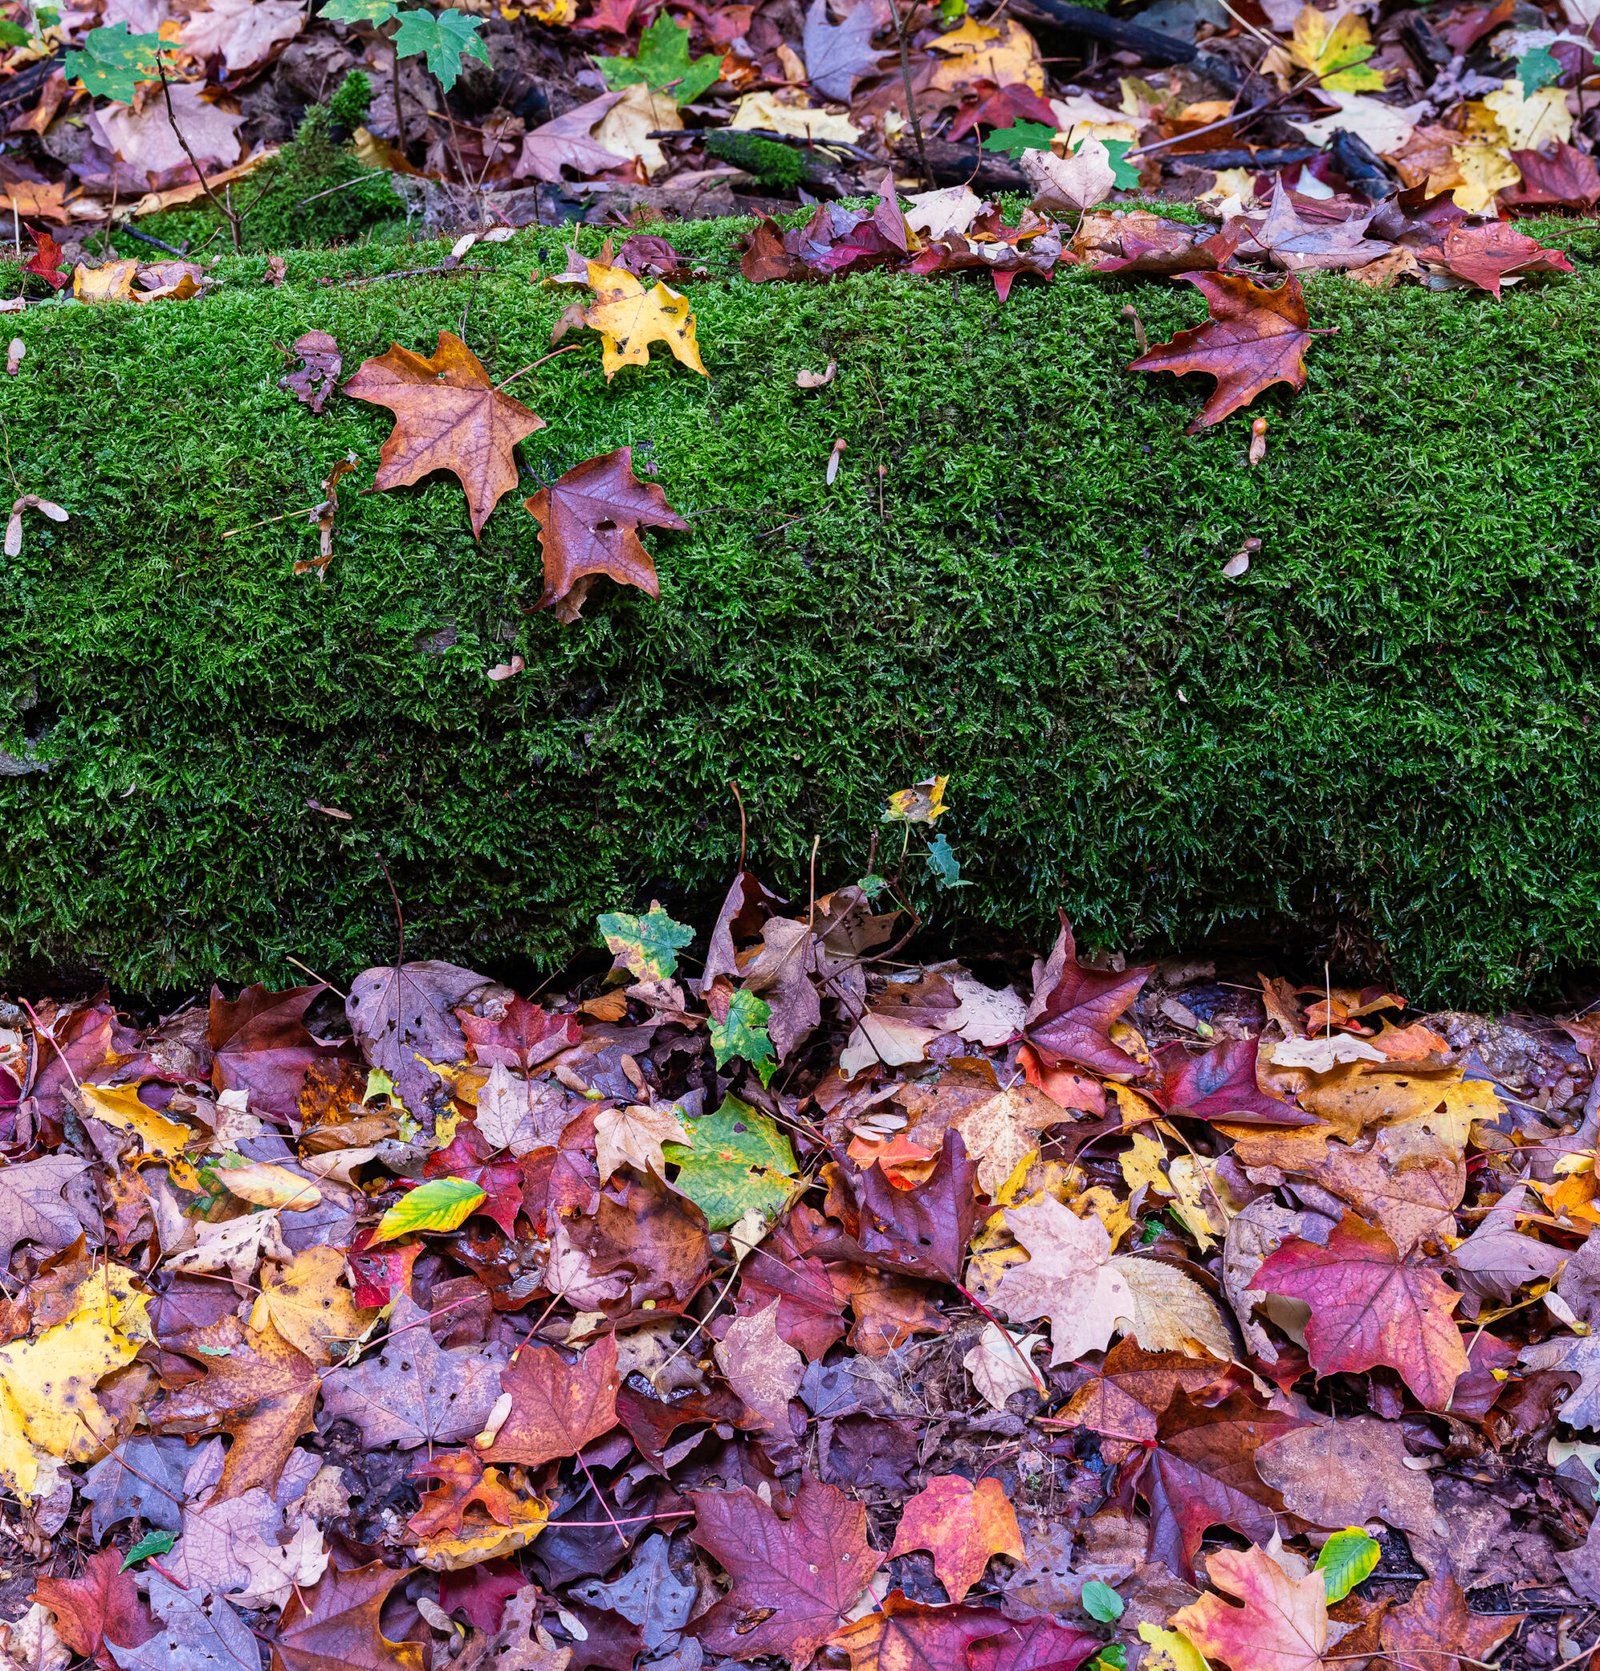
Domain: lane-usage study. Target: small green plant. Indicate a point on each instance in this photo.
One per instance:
(768, 160)
(347, 109)
(1020, 137)
(662, 64)
(445, 39)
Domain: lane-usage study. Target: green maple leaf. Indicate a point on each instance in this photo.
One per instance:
(744, 1034)
(1347, 1558)
(663, 64)
(648, 945)
(1022, 136)
(113, 62)
(374, 12)
(1536, 69)
(1124, 175)
(735, 1160)
(445, 38)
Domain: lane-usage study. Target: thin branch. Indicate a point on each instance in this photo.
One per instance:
(222, 208)
(911, 98)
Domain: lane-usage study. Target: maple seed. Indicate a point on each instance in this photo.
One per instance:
(833, 461)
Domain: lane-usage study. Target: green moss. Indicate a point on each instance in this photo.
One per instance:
(1387, 724)
(777, 165)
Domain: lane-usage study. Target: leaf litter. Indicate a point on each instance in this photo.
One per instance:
(558, 1333)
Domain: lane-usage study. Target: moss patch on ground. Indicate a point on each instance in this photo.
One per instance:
(1387, 723)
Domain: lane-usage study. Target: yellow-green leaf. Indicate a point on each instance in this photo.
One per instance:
(439, 1204)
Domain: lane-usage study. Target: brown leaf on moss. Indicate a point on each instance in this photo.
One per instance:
(448, 416)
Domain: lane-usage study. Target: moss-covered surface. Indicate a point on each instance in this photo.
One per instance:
(1389, 721)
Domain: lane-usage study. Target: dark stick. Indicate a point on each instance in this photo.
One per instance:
(911, 101)
(222, 208)
(145, 238)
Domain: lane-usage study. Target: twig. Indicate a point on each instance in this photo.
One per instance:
(399, 113)
(571, 348)
(145, 238)
(343, 185)
(413, 272)
(205, 185)
(1225, 121)
(911, 100)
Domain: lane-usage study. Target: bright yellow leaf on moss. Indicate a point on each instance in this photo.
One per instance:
(111, 283)
(1337, 51)
(118, 1106)
(47, 1401)
(629, 318)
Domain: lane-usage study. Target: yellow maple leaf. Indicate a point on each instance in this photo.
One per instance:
(629, 318)
(47, 1401)
(110, 283)
(1524, 121)
(118, 1106)
(1484, 171)
(1006, 55)
(308, 1304)
(1145, 1163)
(1335, 50)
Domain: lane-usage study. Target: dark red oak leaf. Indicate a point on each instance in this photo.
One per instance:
(1369, 1307)
(1034, 1645)
(913, 1636)
(1219, 1084)
(794, 1578)
(1255, 337)
(99, 1608)
(261, 1044)
(589, 524)
(1074, 1007)
(557, 1407)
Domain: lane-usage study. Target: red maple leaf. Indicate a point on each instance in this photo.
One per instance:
(1002, 107)
(100, 1608)
(520, 1036)
(1369, 1307)
(261, 1045)
(1254, 338)
(1075, 1006)
(1034, 1645)
(47, 257)
(1485, 254)
(913, 1636)
(557, 1407)
(794, 1577)
(1219, 1084)
(471, 1156)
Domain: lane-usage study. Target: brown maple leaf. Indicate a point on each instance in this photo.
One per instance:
(589, 525)
(448, 416)
(556, 1407)
(794, 1578)
(1490, 252)
(334, 1627)
(263, 1392)
(1434, 1631)
(99, 1610)
(1369, 1307)
(1254, 338)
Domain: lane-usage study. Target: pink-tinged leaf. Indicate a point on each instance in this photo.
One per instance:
(1219, 1084)
(1370, 1307)
(1074, 1007)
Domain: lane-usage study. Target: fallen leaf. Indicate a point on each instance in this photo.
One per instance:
(1484, 255)
(633, 1136)
(1070, 185)
(319, 372)
(837, 56)
(448, 416)
(568, 142)
(762, 1368)
(1074, 1007)
(962, 1525)
(556, 1407)
(1001, 1364)
(1281, 1624)
(34, 1205)
(414, 1392)
(145, 140)
(242, 33)
(629, 318)
(310, 1306)
(912, 1636)
(403, 1017)
(1369, 1307)
(1435, 1631)
(1348, 1472)
(99, 1610)
(335, 1627)
(588, 526)
(795, 1577)
(1255, 337)
(735, 1161)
